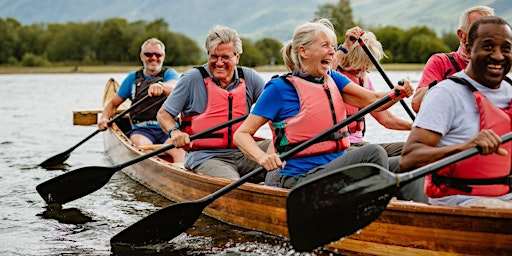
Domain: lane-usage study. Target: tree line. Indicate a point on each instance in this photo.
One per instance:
(117, 41)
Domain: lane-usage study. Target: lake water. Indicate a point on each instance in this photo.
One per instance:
(37, 116)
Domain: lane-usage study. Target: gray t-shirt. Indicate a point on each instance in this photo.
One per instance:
(189, 97)
(450, 109)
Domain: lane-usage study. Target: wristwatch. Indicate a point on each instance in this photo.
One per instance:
(177, 127)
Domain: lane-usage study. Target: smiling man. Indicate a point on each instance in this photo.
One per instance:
(207, 96)
(470, 109)
(153, 80)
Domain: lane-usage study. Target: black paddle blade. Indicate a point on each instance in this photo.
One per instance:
(161, 226)
(75, 184)
(337, 204)
(55, 160)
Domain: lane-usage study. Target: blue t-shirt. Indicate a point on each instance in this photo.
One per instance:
(279, 101)
(127, 88)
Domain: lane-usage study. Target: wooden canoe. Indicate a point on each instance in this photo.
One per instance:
(404, 228)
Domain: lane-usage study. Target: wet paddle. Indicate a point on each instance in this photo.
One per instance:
(382, 73)
(60, 158)
(83, 181)
(348, 199)
(173, 220)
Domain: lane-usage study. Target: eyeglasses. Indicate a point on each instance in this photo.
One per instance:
(151, 54)
(224, 58)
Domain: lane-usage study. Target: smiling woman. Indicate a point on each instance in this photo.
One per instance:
(297, 105)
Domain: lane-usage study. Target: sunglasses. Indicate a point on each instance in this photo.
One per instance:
(151, 54)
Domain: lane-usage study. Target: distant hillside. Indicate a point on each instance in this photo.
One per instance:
(252, 18)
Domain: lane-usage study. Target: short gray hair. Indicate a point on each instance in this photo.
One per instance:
(153, 41)
(304, 35)
(464, 17)
(221, 34)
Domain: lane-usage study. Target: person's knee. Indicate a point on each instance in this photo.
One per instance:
(377, 154)
(218, 169)
(394, 164)
(140, 140)
(273, 178)
(413, 191)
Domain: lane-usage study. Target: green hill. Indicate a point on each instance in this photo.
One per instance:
(252, 18)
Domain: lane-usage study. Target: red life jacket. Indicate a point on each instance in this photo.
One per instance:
(479, 175)
(321, 107)
(360, 123)
(221, 107)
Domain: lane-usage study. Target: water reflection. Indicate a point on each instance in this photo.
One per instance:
(63, 215)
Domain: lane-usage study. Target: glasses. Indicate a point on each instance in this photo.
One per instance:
(223, 58)
(151, 54)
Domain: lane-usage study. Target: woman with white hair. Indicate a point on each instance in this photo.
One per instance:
(306, 102)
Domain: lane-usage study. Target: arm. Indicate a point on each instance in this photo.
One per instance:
(156, 89)
(351, 33)
(166, 121)
(390, 121)
(417, 98)
(360, 97)
(167, 86)
(109, 111)
(434, 70)
(245, 142)
(420, 148)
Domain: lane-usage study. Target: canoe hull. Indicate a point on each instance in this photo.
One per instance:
(404, 228)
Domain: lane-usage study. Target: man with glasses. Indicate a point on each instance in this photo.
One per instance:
(207, 96)
(152, 80)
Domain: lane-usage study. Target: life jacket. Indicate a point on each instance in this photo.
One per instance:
(479, 175)
(145, 113)
(449, 71)
(321, 107)
(360, 123)
(221, 106)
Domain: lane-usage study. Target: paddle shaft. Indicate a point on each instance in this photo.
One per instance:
(210, 198)
(383, 74)
(407, 177)
(117, 117)
(61, 157)
(171, 146)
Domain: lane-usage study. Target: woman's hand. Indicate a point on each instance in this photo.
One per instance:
(405, 88)
(351, 36)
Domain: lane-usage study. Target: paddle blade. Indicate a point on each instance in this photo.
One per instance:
(337, 204)
(74, 184)
(55, 160)
(161, 226)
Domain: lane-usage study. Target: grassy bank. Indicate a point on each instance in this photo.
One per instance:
(125, 69)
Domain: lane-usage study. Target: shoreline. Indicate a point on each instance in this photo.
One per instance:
(180, 69)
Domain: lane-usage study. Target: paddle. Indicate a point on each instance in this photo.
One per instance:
(60, 158)
(348, 199)
(382, 73)
(83, 181)
(171, 221)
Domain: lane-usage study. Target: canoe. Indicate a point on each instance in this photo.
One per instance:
(404, 228)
